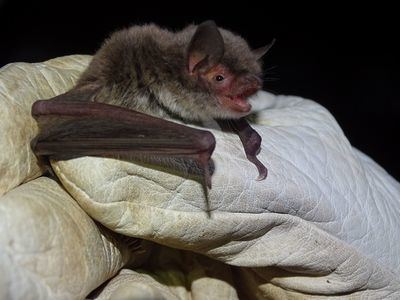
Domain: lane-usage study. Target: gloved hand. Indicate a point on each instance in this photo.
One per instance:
(324, 222)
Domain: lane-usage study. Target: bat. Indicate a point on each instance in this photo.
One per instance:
(142, 76)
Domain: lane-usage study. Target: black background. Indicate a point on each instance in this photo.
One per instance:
(340, 56)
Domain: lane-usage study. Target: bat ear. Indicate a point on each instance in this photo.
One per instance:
(260, 52)
(206, 47)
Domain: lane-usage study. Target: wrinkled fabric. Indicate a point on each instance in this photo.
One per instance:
(173, 274)
(21, 84)
(323, 223)
(326, 214)
(51, 249)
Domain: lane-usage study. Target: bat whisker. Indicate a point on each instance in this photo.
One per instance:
(266, 70)
(271, 79)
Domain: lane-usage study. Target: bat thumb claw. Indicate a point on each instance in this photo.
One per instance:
(203, 161)
(207, 177)
(262, 173)
(262, 170)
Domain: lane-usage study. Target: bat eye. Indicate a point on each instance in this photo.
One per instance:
(219, 78)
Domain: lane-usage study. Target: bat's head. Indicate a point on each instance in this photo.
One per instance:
(225, 71)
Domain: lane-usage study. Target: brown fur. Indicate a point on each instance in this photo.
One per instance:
(145, 68)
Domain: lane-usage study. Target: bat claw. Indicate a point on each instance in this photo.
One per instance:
(262, 173)
(203, 160)
(207, 176)
(251, 141)
(262, 170)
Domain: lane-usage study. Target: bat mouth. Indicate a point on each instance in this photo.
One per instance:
(237, 103)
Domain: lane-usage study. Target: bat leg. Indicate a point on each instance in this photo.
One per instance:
(71, 129)
(251, 141)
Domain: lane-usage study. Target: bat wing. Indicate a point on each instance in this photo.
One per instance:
(71, 128)
(251, 141)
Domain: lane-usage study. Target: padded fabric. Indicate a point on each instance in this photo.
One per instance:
(324, 222)
(173, 274)
(21, 84)
(51, 249)
(326, 214)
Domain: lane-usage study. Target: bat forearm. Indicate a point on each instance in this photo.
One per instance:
(96, 129)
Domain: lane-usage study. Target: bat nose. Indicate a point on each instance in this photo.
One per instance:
(254, 81)
(249, 84)
(250, 81)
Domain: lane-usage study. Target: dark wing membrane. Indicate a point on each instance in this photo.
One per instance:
(78, 128)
